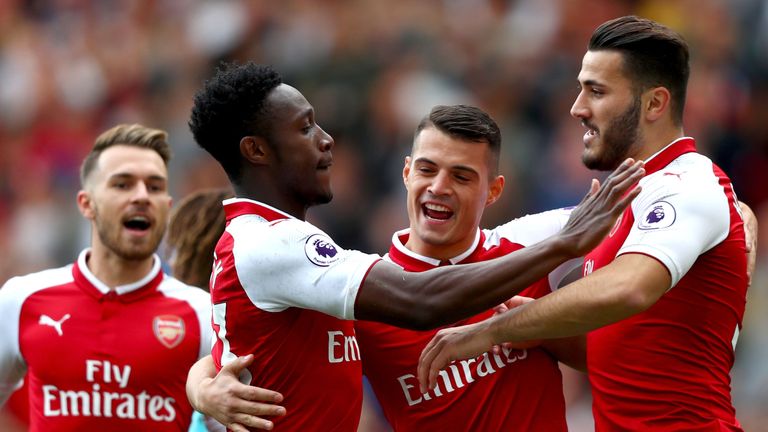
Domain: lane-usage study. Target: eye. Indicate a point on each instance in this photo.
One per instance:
(462, 178)
(596, 92)
(425, 170)
(120, 185)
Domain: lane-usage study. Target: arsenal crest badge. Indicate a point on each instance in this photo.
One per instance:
(169, 330)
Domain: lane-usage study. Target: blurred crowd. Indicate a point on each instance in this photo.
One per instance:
(70, 69)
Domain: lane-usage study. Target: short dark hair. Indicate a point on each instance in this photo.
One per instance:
(467, 123)
(654, 55)
(231, 106)
(134, 135)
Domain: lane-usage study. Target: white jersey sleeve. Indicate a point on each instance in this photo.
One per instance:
(12, 367)
(13, 294)
(292, 263)
(681, 213)
(531, 229)
(200, 301)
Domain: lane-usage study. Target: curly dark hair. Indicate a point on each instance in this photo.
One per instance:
(229, 107)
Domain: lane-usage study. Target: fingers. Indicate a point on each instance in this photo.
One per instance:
(623, 178)
(248, 417)
(626, 200)
(427, 358)
(517, 301)
(594, 186)
(500, 309)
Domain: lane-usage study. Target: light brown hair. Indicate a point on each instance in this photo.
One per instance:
(134, 135)
(196, 224)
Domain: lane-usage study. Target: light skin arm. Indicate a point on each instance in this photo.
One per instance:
(629, 285)
(224, 398)
(425, 300)
(571, 351)
(750, 235)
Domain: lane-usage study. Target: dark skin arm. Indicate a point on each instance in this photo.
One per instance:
(426, 300)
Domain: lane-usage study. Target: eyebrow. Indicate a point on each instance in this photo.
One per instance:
(120, 176)
(591, 83)
(305, 113)
(454, 167)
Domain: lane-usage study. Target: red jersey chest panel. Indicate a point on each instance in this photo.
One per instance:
(310, 355)
(513, 390)
(108, 362)
(668, 368)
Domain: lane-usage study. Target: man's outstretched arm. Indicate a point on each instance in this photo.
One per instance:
(444, 295)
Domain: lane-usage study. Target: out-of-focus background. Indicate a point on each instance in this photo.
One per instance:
(70, 69)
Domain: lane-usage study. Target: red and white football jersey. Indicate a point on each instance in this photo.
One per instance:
(668, 367)
(97, 359)
(283, 291)
(515, 390)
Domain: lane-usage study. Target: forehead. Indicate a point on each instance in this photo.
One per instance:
(287, 104)
(604, 67)
(444, 149)
(130, 160)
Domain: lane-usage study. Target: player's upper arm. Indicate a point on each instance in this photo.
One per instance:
(297, 265)
(677, 226)
(12, 366)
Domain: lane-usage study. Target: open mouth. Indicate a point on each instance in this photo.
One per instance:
(436, 211)
(137, 223)
(591, 130)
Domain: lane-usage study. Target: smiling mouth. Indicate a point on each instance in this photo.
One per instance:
(436, 211)
(591, 130)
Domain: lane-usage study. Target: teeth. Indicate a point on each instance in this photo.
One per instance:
(437, 207)
(138, 219)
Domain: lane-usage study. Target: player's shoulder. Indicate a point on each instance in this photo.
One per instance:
(692, 175)
(172, 287)
(247, 226)
(33, 282)
(529, 229)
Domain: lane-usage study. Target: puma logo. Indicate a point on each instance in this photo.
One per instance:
(46, 320)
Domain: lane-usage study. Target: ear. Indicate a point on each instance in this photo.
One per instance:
(255, 150)
(85, 204)
(406, 170)
(656, 103)
(495, 188)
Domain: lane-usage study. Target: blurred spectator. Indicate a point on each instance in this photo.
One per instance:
(70, 68)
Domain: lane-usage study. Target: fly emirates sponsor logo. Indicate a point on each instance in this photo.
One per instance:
(460, 374)
(342, 347)
(101, 403)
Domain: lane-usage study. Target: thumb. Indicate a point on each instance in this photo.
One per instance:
(237, 365)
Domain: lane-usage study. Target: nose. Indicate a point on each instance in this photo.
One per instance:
(140, 193)
(579, 109)
(440, 184)
(326, 141)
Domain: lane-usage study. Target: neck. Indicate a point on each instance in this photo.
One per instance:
(653, 141)
(115, 271)
(266, 192)
(437, 251)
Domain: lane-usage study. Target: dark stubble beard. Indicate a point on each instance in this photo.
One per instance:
(619, 138)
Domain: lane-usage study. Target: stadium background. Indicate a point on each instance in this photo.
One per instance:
(72, 68)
